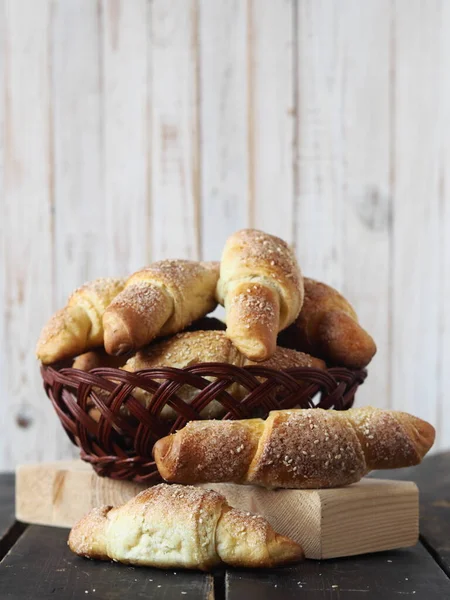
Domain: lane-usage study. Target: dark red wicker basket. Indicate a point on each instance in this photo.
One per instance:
(119, 443)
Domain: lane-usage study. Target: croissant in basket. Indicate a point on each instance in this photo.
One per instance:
(191, 348)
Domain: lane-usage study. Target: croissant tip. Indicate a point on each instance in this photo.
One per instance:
(161, 454)
(283, 550)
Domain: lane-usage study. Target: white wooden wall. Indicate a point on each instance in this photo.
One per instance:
(132, 130)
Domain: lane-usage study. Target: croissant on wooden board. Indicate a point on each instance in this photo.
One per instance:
(328, 327)
(261, 287)
(181, 527)
(299, 448)
(191, 348)
(78, 327)
(159, 300)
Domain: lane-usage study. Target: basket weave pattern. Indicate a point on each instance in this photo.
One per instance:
(119, 445)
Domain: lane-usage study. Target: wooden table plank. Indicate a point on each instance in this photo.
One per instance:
(433, 480)
(40, 565)
(411, 572)
(10, 530)
(6, 502)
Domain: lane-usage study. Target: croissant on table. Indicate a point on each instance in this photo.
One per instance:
(181, 526)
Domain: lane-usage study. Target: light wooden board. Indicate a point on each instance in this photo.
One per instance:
(80, 225)
(174, 186)
(365, 31)
(417, 188)
(27, 288)
(272, 115)
(125, 84)
(370, 516)
(318, 214)
(224, 113)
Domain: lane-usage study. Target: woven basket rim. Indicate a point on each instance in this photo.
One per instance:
(119, 445)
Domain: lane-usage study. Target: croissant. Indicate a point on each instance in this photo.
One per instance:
(177, 526)
(78, 326)
(327, 326)
(300, 448)
(159, 300)
(261, 287)
(97, 358)
(190, 348)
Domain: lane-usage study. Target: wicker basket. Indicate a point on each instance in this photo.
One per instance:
(119, 442)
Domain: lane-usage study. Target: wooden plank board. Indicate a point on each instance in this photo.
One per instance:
(443, 373)
(125, 128)
(40, 565)
(224, 89)
(401, 573)
(419, 32)
(271, 117)
(81, 250)
(30, 429)
(174, 219)
(318, 210)
(7, 517)
(433, 479)
(366, 162)
(10, 529)
(369, 516)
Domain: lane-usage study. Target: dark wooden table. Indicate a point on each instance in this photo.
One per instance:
(36, 562)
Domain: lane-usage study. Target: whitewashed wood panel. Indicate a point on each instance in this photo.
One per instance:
(125, 124)
(366, 132)
(137, 130)
(272, 115)
(318, 211)
(29, 428)
(443, 372)
(418, 82)
(225, 128)
(3, 283)
(81, 235)
(175, 174)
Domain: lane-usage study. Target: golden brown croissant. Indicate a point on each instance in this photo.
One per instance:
(327, 326)
(300, 448)
(261, 287)
(181, 526)
(78, 326)
(191, 348)
(159, 300)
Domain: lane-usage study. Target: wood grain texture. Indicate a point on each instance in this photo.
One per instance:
(369, 516)
(366, 125)
(433, 479)
(125, 127)
(133, 131)
(175, 193)
(29, 429)
(40, 565)
(224, 114)
(10, 529)
(443, 373)
(395, 574)
(272, 116)
(318, 215)
(419, 32)
(80, 205)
